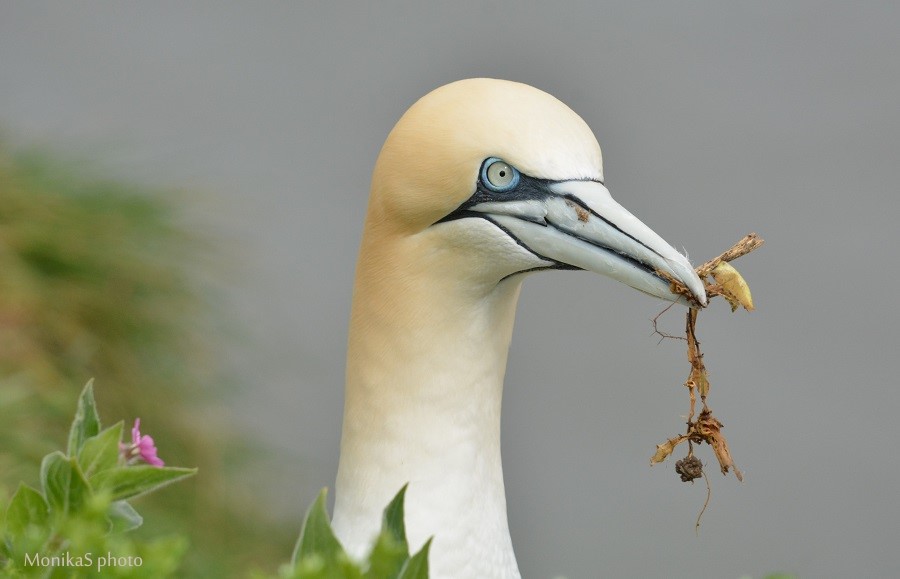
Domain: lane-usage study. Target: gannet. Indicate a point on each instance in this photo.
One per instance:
(480, 182)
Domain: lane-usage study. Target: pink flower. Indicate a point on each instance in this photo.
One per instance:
(141, 447)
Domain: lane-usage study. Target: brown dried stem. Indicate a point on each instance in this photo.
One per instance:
(750, 242)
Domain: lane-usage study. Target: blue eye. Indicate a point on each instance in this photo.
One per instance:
(498, 175)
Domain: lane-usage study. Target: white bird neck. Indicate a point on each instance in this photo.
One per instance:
(427, 356)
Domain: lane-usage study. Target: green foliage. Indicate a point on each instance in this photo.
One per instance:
(87, 422)
(104, 278)
(27, 508)
(127, 482)
(319, 554)
(391, 549)
(63, 483)
(100, 452)
(317, 540)
(417, 566)
(74, 526)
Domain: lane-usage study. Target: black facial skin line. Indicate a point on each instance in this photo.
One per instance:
(534, 189)
(554, 263)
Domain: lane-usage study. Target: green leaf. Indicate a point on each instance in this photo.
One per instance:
(387, 557)
(122, 517)
(27, 507)
(125, 482)
(391, 549)
(317, 539)
(63, 483)
(392, 520)
(417, 566)
(101, 452)
(87, 421)
(315, 567)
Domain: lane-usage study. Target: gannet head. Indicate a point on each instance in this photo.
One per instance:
(513, 178)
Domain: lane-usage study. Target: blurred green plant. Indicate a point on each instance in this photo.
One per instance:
(75, 525)
(103, 279)
(320, 555)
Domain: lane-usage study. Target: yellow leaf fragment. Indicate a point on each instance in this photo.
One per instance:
(734, 288)
(697, 378)
(665, 449)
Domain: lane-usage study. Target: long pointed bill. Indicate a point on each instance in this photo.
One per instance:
(579, 224)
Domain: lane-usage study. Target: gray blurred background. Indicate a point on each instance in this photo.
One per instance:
(715, 120)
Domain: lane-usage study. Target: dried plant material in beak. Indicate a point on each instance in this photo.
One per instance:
(706, 428)
(667, 448)
(734, 288)
(710, 429)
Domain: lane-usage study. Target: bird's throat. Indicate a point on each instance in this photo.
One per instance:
(426, 360)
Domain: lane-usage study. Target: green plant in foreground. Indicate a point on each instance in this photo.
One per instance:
(76, 525)
(110, 278)
(319, 554)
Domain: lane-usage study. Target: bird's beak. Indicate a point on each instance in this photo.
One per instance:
(577, 223)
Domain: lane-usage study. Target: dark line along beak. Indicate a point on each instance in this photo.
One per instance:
(578, 223)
